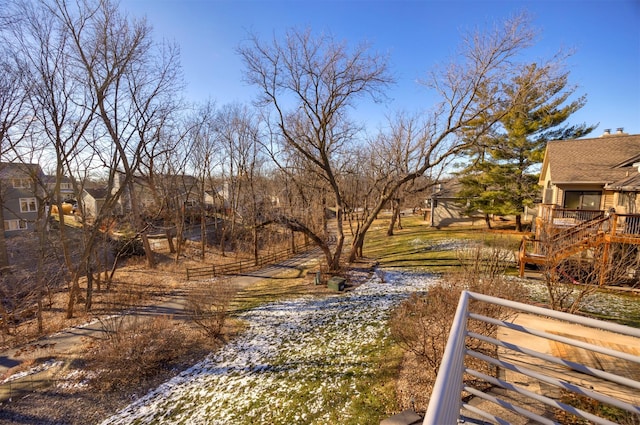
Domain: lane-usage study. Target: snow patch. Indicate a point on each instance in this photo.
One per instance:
(287, 366)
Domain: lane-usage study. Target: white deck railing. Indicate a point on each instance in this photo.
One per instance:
(540, 367)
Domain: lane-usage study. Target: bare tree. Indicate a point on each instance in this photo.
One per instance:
(14, 113)
(204, 156)
(130, 83)
(101, 93)
(238, 133)
(425, 148)
(310, 83)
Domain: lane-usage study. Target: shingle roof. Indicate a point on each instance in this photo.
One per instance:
(599, 160)
(98, 193)
(631, 183)
(18, 169)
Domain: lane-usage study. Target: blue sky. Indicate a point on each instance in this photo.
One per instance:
(416, 35)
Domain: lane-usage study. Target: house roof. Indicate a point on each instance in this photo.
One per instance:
(628, 184)
(100, 193)
(18, 169)
(51, 180)
(601, 160)
(446, 189)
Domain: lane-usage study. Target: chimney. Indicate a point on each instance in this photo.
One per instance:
(620, 130)
(607, 132)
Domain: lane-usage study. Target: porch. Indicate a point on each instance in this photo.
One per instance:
(561, 233)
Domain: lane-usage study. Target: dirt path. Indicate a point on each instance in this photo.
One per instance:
(60, 349)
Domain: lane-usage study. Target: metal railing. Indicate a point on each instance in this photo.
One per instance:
(533, 368)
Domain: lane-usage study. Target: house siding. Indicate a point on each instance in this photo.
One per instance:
(12, 196)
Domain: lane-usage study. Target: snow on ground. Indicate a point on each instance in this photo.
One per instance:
(288, 366)
(49, 364)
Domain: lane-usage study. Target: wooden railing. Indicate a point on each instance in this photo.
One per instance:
(561, 233)
(627, 224)
(567, 217)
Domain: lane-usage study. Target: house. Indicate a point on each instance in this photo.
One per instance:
(65, 191)
(593, 174)
(445, 207)
(589, 193)
(20, 194)
(168, 191)
(92, 201)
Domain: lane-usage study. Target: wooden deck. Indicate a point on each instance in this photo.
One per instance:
(561, 234)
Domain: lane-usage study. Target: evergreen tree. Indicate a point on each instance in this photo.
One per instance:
(501, 177)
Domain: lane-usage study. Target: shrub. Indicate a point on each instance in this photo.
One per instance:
(137, 350)
(208, 305)
(589, 405)
(127, 247)
(422, 323)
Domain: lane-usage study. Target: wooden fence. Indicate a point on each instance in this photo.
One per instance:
(241, 266)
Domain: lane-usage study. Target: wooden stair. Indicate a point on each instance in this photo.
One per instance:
(564, 243)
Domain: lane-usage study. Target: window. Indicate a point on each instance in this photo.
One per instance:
(65, 186)
(548, 194)
(15, 225)
(582, 199)
(21, 183)
(28, 205)
(628, 201)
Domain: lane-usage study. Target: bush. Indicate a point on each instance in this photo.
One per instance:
(208, 305)
(127, 247)
(421, 324)
(138, 350)
(589, 405)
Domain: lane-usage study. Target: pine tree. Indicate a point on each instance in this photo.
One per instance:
(501, 177)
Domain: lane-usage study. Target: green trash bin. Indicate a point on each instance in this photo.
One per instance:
(336, 283)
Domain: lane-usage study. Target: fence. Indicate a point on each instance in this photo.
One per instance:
(241, 266)
(535, 369)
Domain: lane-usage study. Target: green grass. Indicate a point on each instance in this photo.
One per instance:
(414, 247)
(416, 244)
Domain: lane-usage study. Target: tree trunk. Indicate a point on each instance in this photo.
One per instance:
(169, 236)
(73, 295)
(518, 223)
(203, 233)
(89, 301)
(4, 258)
(392, 223)
(151, 261)
(255, 244)
(222, 236)
(487, 220)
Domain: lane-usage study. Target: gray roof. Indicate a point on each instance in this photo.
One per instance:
(18, 169)
(602, 160)
(98, 193)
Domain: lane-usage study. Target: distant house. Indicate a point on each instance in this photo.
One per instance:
(20, 194)
(92, 201)
(445, 207)
(65, 191)
(593, 174)
(173, 191)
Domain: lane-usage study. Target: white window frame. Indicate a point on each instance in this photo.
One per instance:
(19, 183)
(28, 205)
(16, 224)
